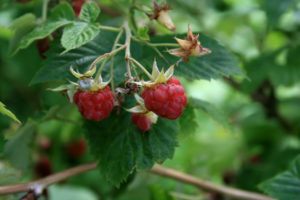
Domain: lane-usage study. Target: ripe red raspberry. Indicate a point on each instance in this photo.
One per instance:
(94, 105)
(77, 4)
(77, 148)
(141, 121)
(167, 100)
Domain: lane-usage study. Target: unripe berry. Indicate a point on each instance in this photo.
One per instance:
(167, 100)
(94, 105)
(141, 121)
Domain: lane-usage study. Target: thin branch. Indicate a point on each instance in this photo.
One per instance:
(127, 44)
(140, 66)
(158, 170)
(44, 10)
(109, 28)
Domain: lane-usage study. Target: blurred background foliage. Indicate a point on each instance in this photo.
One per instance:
(263, 108)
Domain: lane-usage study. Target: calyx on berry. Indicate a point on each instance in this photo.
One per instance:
(86, 81)
(162, 16)
(158, 76)
(190, 46)
(141, 109)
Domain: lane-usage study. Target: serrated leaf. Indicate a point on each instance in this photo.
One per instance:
(8, 174)
(121, 147)
(61, 15)
(212, 111)
(78, 34)
(284, 186)
(276, 8)
(21, 26)
(89, 12)
(187, 121)
(57, 66)
(17, 148)
(7, 112)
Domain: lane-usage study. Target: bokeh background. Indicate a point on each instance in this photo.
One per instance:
(259, 141)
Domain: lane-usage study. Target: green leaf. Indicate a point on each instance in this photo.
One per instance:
(8, 113)
(57, 66)
(276, 8)
(2, 142)
(212, 111)
(157, 193)
(187, 121)
(89, 12)
(219, 63)
(17, 148)
(61, 15)
(284, 186)
(288, 74)
(8, 174)
(143, 33)
(78, 34)
(21, 26)
(121, 147)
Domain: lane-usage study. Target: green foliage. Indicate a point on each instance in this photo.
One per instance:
(17, 148)
(274, 9)
(212, 111)
(143, 33)
(219, 63)
(8, 174)
(284, 186)
(21, 27)
(61, 15)
(78, 34)
(187, 121)
(157, 193)
(89, 12)
(7, 112)
(121, 147)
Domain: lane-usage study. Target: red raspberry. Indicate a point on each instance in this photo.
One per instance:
(43, 46)
(167, 100)
(77, 148)
(77, 4)
(141, 121)
(94, 105)
(43, 167)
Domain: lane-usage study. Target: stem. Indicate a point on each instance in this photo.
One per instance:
(112, 73)
(106, 55)
(161, 171)
(44, 10)
(110, 28)
(141, 67)
(127, 44)
(156, 44)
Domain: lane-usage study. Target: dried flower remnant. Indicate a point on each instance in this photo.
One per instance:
(190, 46)
(162, 16)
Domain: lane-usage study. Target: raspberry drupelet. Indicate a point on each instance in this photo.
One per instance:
(167, 100)
(94, 105)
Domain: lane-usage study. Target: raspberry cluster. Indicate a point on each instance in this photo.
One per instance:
(141, 121)
(167, 100)
(94, 105)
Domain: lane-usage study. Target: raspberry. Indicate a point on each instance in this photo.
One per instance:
(43, 167)
(141, 121)
(167, 100)
(77, 148)
(94, 105)
(77, 4)
(43, 46)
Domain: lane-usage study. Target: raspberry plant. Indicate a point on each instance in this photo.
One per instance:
(123, 87)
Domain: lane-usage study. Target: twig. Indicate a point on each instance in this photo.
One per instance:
(161, 171)
(106, 55)
(44, 10)
(127, 44)
(109, 28)
(140, 66)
